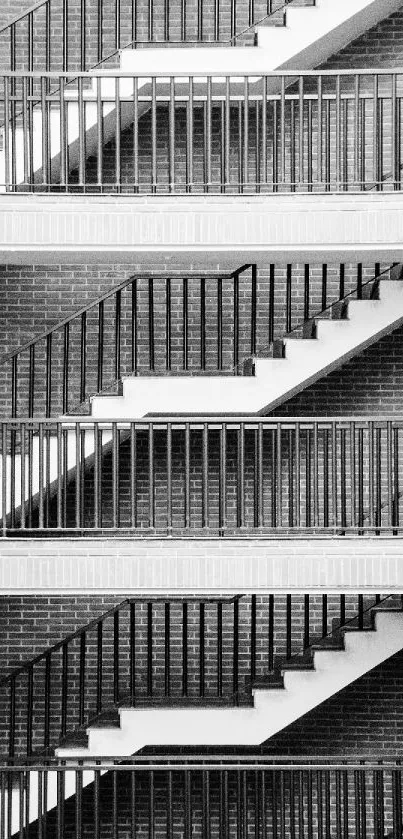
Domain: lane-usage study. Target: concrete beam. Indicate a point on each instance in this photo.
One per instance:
(308, 227)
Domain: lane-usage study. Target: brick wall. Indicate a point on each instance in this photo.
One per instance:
(366, 385)
(364, 718)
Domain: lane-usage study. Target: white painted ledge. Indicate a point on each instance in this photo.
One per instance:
(169, 566)
(33, 228)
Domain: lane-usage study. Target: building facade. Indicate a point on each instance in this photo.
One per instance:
(201, 352)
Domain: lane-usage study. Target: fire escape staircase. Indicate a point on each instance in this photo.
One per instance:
(294, 687)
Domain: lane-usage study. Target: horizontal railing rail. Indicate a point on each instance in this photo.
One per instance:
(166, 651)
(326, 131)
(201, 476)
(360, 798)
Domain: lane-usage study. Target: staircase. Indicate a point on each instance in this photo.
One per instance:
(329, 341)
(295, 684)
(329, 667)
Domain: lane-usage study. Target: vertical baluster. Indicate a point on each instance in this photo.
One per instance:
(271, 633)
(151, 492)
(325, 477)
(271, 303)
(219, 649)
(202, 648)
(187, 477)
(360, 611)
(342, 609)
(48, 393)
(357, 158)
(324, 287)
(149, 649)
(168, 324)
(341, 281)
(167, 650)
(236, 321)
(132, 652)
(279, 477)
(100, 30)
(83, 358)
(185, 325)
(306, 622)
(81, 690)
(136, 184)
(151, 335)
(306, 292)
(23, 476)
(100, 353)
(394, 133)
(99, 696)
(282, 130)
(376, 132)
(45, 134)
(205, 477)
(189, 134)
(187, 803)
(301, 106)
(208, 133)
(118, 329)
(200, 20)
(396, 483)
(235, 658)
(359, 281)
(153, 131)
(253, 639)
(116, 656)
(115, 475)
(245, 176)
(360, 477)
(184, 648)
(288, 304)
(40, 475)
(223, 480)
(77, 476)
(241, 476)
(371, 467)
(9, 153)
(397, 802)
(219, 324)
(264, 133)
(134, 352)
(258, 476)
(288, 625)
(169, 478)
(315, 475)
(202, 323)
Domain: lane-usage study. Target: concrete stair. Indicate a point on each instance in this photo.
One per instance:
(306, 683)
(300, 363)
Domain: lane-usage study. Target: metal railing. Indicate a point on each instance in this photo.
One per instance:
(173, 324)
(201, 476)
(74, 35)
(282, 132)
(167, 652)
(147, 324)
(207, 796)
